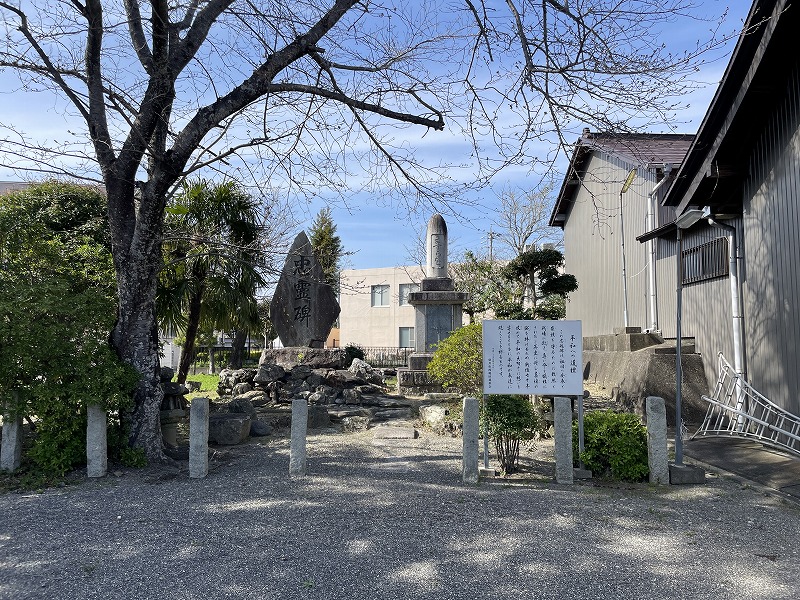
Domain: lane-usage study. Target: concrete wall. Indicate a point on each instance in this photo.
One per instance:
(366, 325)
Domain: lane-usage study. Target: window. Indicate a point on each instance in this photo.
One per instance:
(380, 295)
(407, 337)
(405, 290)
(706, 261)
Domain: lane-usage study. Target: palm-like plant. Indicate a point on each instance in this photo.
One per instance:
(210, 273)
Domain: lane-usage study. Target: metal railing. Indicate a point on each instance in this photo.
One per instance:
(386, 357)
(735, 408)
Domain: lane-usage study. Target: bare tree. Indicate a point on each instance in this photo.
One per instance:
(522, 221)
(308, 95)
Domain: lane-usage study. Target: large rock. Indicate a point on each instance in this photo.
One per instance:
(318, 417)
(303, 307)
(243, 406)
(364, 371)
(228, 428)
(269, 373)
(316, 358)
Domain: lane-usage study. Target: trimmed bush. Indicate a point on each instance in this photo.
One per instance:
(615, 445)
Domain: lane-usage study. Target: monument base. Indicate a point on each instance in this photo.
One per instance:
(416, 383)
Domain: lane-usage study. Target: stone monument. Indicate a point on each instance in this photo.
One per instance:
(304, 307)
(438, 311)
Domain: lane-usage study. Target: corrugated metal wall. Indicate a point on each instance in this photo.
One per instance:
(592, 248)
(706, 304)
(772, 257)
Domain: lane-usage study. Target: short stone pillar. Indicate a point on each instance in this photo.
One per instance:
(96, 441)
(562, 413)
(11, 450)
(471, 432)
(198, 438)
(297, 443)
(657, 457)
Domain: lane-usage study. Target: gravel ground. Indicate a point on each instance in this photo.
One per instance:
(390, 519)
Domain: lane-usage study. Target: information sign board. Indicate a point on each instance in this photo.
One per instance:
(533, 357)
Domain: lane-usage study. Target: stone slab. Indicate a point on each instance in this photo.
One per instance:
(198, 438)
(471, 432)
(686, 474)
(393, 432)
(96, 441)
(563, 439)
(657, 456)
(297, 440)
(11, 445)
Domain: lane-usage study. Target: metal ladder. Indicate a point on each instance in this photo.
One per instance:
(735, 408)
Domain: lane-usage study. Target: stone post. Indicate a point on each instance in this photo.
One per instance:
(297, 444)
(198, 438)
(562, 413)
(657, 440)
(11, 450)
(471, 432)
(96, 441)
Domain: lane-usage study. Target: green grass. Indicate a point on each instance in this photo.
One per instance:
(208, 386)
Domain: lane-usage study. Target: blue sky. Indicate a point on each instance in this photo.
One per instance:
(378, 236)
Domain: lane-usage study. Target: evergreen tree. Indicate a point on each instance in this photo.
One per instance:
(327, 246)
(541, 287)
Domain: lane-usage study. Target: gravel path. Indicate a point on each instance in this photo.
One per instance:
(390, 519)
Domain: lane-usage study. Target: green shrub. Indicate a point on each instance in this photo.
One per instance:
(353, 351)
(457, 362)
(615, 444)
(509, 420)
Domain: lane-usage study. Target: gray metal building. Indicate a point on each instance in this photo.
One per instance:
(744, 166)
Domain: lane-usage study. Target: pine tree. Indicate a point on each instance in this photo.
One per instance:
(327, 246)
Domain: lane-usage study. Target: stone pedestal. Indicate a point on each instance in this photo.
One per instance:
(437, 312)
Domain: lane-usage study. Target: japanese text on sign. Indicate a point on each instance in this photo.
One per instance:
(533, 357)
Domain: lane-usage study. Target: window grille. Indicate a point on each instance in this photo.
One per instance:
(706, 261)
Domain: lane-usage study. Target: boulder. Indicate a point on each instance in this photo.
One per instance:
(318, 417)
(259, 428)
(228, 428)
(351, 396)
(365, 372)
(433, 416)
(241, 388)
(268, 374)
(300, 372)
(242, 406)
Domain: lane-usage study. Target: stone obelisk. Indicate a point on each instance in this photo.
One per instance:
(438, 311)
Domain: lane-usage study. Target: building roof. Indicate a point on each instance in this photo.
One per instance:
(12, 186)
(638, 150)
(751, 91)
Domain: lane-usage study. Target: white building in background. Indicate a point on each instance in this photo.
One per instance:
(374, 306)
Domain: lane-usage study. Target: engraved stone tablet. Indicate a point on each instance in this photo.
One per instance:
(304, 308)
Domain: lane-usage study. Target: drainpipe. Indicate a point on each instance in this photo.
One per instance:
(736, 309)
(652, 291)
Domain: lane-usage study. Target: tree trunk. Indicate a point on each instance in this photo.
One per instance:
(135, 338)
(136, 238)
(237, 350)
(192, 325)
